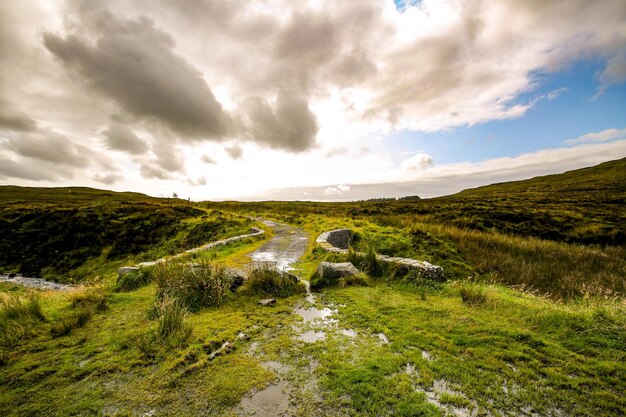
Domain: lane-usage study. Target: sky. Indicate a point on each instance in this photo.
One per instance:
(308, 100)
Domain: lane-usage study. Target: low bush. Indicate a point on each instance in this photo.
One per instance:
(194, 285)
(133, 280)
(272, 282)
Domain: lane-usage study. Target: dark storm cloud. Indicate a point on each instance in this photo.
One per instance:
(121, 138)
(134, 63)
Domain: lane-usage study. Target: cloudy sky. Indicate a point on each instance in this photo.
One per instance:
(282, 99)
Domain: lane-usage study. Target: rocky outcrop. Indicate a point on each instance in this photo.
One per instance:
(339, 240)
(328, 270)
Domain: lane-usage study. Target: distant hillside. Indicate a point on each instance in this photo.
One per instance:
(607, 178)
(583, 206)
(13, 193)
(55, 232)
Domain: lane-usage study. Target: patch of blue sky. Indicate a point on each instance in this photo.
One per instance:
(572, 111)
(404, 4)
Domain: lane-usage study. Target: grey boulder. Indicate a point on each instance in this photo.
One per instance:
(336, 270)
(126, 270)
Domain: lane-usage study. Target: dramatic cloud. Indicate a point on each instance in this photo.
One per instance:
(603, 136)
(290, 125)
(121, 138)
(166, 87)
(134, 63)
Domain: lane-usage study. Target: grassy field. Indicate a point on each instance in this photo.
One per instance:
(532, 319)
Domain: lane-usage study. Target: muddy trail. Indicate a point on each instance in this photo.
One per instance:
(295, 390)
(284, 248)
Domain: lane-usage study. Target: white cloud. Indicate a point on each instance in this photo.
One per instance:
(603, 136)
(338, 190)
(417, 162)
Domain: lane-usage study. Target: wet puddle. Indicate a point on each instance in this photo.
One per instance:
(272, 401)
(311, 336)
(312, 314)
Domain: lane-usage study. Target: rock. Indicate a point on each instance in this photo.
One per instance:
(126, 270)
(226, 348)
(327, 270)
(236, 276)
(267, 301)
(339, 238)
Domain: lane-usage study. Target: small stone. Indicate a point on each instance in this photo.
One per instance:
(127, 270)
(267, 301)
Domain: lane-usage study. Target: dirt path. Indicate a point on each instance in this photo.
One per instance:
(285, 247)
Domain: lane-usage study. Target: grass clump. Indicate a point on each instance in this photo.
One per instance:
(171, 330)
(17, 317)
(91, 299)
(366, 262)
(473, 295)
(195, 286)
(84, 303)
(68, 323)
(133, 280)
(272, 282)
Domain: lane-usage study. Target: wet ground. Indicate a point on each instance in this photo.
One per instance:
(285, 247)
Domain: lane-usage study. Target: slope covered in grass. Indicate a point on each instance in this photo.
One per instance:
(53, 232)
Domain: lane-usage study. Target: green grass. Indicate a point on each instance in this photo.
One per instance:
(532, 318)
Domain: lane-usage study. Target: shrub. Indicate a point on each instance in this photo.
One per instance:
(133, 280)
(270, 281)
(194, 285)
